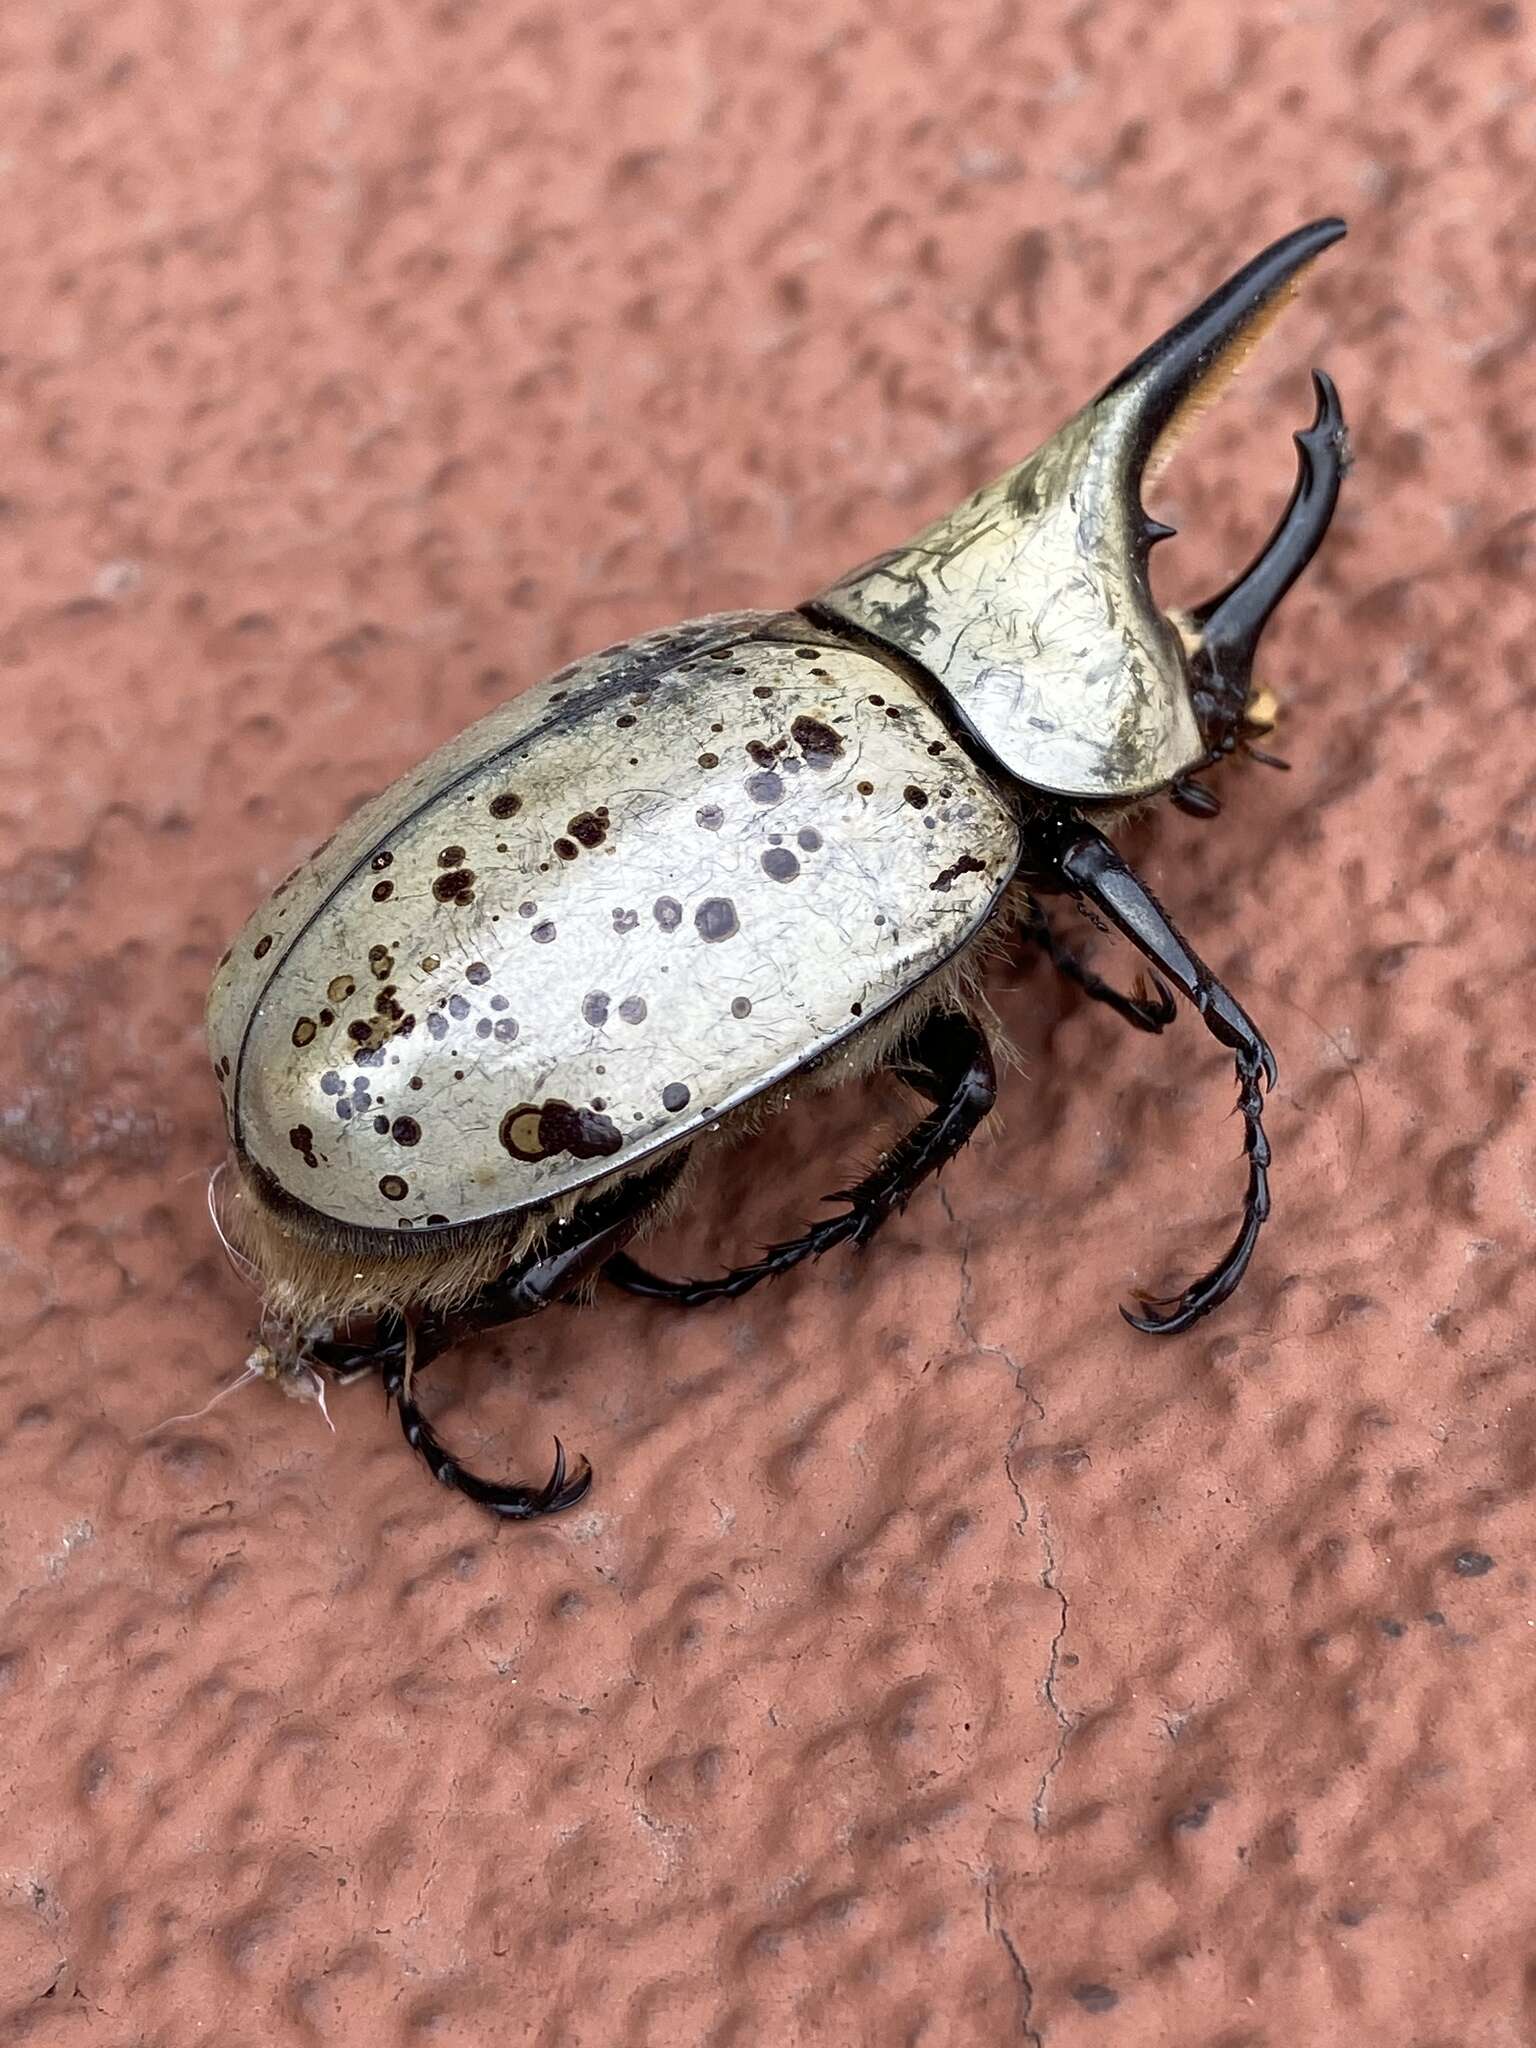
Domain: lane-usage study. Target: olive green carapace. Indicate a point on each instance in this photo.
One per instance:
(628, 902)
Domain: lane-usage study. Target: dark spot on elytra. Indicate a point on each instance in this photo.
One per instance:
(451, 857)
(741, 1006)
(506, 805)
(716, 919)
(820, 745)
(534, 1131)
(766, 788)
(382, 891)
(935, 746)
(760, 753)
(761, 690)
(566, 848)
(417, 1082)
(304, 1031)
(405, 1131)
(625, 920)
(382, 962)
(632, 1009)
(341, 987)
(302, 1139)
(543, 932)
(668, 912)
(500, 1003)
(382, 861)
(458, 1007)
(526, 909)
(917, 798)
(437, 1219)
(808, 839)
(710, 818)
(625, 718)
(437, 1025)
(866, 789)
(674, 1096)
(331, 1083)
(594, 1007)
(588, 829)
(478, 973)
(967, 864)
(457, 886)
(381, 1125)
(780, 865)
(709, 760)
(262, 947)
(393, 1188)
(506, 1029)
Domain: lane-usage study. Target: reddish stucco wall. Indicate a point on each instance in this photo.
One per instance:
(936, 1661)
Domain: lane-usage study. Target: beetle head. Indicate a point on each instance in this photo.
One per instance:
(1030, 605)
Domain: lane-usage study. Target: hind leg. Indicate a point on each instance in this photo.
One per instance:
(950, 1062)
(571, 1250)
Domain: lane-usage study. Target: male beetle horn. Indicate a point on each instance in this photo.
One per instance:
(1030, 604)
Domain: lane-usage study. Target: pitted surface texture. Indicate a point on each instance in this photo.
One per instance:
(935, 1661)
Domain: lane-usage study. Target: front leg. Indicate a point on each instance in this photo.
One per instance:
(1088, 866)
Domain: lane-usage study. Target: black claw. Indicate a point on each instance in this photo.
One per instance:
(1194, 799)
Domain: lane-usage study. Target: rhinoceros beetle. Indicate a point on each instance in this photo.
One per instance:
(470, 1051)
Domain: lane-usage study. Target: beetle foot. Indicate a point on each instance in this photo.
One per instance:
(1165, 1316)
(513, 1503)
(1150, 1008)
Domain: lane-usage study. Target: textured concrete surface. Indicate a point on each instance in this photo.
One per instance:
(937, 1661)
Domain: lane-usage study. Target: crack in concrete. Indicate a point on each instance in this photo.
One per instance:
(963, 1309)
(1065, 1722)
(1016, 1963)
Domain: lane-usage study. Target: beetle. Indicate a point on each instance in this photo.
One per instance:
(473, 1048)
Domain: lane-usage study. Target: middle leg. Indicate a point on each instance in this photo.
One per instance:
(949, 1061)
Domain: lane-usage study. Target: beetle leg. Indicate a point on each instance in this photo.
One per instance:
(948, 1060)
(570, 1250)
(1090, 868)
(1154, 1013)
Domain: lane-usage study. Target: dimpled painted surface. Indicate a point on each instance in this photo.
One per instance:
(936, 1661)
(448, 1031)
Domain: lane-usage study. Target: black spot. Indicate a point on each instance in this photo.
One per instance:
(668, 912)
(625, 718)
(625, 920)
(405, 1131)
(709, 760)
(535, 1131)
(416, 1081)
(761, 753)
(674, 1096)
(526, 909)
(302, 1139)
(478, 973)
(506, 805)
(304, 1031)
(331, 1083)
(741, 1006)
(393, 1188)
(451, 857)
(382, 962)
(457, 886)
(711, 818)
(437, 1219)
(866, 789)
(1095, 1997)
(632, 1009)
(588, 828)
(820, 745)
(808, 839)
(965, 865)
(935, 746)
(437, 1025)
(567, 849)
(262, 947)
(381, 1125)
(594, 1008)
(780, 865)
(716, 919)
(543, 932)
(382, 891)
(1471, 1564)
(382, 861)
(917, 798)
(342, 987)
(766, 788)
(873, 699)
